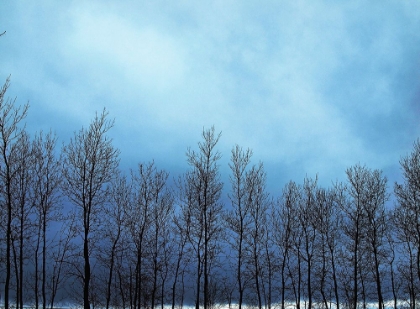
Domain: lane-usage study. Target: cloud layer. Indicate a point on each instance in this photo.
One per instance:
(311, 86)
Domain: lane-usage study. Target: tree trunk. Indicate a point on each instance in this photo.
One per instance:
(197, 300)
(154, 288)
(16, 264)
(111, 271)
(178, 264)
(36, 262)
(309, 274)
(394, 292)
(206, 272)
(44, 261)
(257, 275)
(378, 279)
(8, 249)
(334, 274)
(323, 275)
(269, 270)
(239, 268)
(86, 301)
(355, 268)
(283, 281)
(21, 257)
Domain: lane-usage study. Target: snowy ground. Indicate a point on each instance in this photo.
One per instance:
(389, 305)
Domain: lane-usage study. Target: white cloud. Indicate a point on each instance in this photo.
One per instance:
(141, 54)
(290, 80)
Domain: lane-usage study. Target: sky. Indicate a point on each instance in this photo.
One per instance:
(312, 87)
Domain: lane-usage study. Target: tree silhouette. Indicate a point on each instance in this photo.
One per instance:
(407, 216)
(89, 163)
(202, 210)
(10, 134)
(237, 218)
(46, 200)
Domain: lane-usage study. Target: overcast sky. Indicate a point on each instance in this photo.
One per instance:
(311, 86)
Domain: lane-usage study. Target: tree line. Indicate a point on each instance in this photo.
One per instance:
(76, 228)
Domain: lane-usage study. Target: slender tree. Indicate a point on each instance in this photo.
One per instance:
(354, 223)
(307, 226)
(257, 200)
(269, 265)
(46, 200)
(23, 226)
(295, 263)
(182, 254)
(365, 228)
(165, 263)
(408, 197)
(238, 218)
(59, 255)
(406, 219)
(114, 228)
(148, 184)
(10, 133)
(89, 163)
(161, 213)
(328, 223)
(376, 229)
(202, 209)
(283, 226)
(392, 258)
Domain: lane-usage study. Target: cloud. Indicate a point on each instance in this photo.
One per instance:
(311, 86)
(142, 54)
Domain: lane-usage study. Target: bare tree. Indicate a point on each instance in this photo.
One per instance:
(406, 219)
(354, 223)
(202, 210)
(365, 228)
(165, 263)
(407, 268)
(46, 200)
(10, 133)
(392, 257)
(161, 213)
(89, 163)
(305, 216)
(238, 218)
(22, 225)
(408, 197)
(269, 262)
(283, 225)
(295, 262)
(375, 213)
(258, 205)
(328, 222)
(113, 229)
(148, 187)
(60, 255)
(182, 255)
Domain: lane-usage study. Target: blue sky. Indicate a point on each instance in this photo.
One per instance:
(311, 86)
